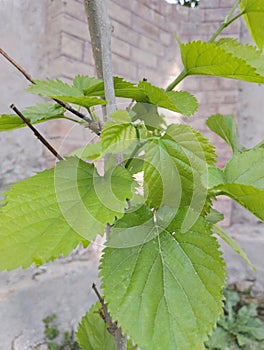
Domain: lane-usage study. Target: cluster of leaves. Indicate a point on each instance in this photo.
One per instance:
(238, 328)
(162, 271)
(52, 332)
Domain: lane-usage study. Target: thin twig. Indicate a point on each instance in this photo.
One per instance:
(18, 67)
(35, 131)
(91, 124)
(112, 326)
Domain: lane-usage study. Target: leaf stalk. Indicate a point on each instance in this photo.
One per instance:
(228, 20)
(176, 81)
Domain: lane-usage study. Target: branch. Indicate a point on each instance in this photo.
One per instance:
(17, 66)
(112, 326)
(91, 9)
(91, 124)
(100, 32)
(35, 131)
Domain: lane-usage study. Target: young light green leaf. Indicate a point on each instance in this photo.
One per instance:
(122, 88)
(117, 137)
(83, 82)
(246, 168)
(120, 116)
(225, 127)
(48, 88)
(192, 141)
(135, 165)
(89, 201)
(10, 122)
(252, 198)
(38, 113)
(214, 216)
(43, 111)
(215, 177)
(83, 101)
(92, 332)
(177, 101)
(253, 11)
(50, 213)
(175, 170)
(243, 180)
(224, 235)
(249, 53)
(184, 101)
(202, 58)
(127, 89)
(162, 178)
(173, 274)
(92, 151)
(32, 227)
(149, 114)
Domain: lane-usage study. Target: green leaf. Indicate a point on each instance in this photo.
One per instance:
(260, 145)
(249, 197)
(120, 116)
(32, 227)
(215, 177)
(148, 113)
(202, 58)
(253, 11)
(117, 137)
(83, 101)
(92, 331)
(127, 89)
(225, 127)
(136, 228)
(192, 141)
(10, 122)
(38, 113)
(224, 235)
(214, 216)
(175, 170)
(122, 88)
(135, 165)
(89, 201)
(50, 213)
(184, 101)
(172, 284)
(43, 111)
(83, 82)
(177, 101)
(249, 53)
(246, 168)
(51, 88)
(243, 180)
(92, 151)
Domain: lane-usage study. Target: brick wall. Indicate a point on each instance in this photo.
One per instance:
(143, 46)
